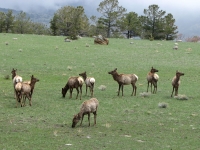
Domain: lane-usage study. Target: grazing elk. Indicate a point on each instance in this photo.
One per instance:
(176, 82)
(89, 82)
(87, 107)
(152, 78)
(124, 79)
(73, 82)
(25, 91)
(16, 78)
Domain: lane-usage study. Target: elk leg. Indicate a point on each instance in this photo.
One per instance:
(86, 90)
(15, 92)
(122, 90)
(30, 99)
(91, 90)
(21, 100)
(147, 86)
(71, 90)
(82, 119)
(155, 87)
(133, 89)
(24, 99)
(89, 118)
(176, 91)
(119, 89)
(77, 92)
(17, 99)
(172, 91)
(95, 116)
(81, 92)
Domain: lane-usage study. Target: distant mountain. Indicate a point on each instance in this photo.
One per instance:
(6, 10)
(42, 17)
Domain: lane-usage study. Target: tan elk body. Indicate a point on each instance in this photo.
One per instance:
(73, 82)
(89, 82)
(87, 107)
(25, 90)
(15, 78)
(152, 78)
(176, 82)
(124, 79)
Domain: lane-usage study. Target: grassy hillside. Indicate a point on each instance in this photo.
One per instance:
(128, 122)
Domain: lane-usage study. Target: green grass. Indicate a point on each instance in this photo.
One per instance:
(129, 122)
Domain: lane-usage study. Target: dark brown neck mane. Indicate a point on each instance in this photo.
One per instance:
(177, 79)
(13, 74)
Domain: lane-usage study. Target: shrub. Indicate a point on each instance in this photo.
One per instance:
(162, 105)
(181, 97)
(151, 38)
(7, 77)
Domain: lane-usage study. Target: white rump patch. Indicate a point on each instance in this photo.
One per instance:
(17, 79)
(136, 76)
(156, 76)
(80, 80)
(92, 80)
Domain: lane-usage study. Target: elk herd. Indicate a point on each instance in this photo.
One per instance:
(24, 89)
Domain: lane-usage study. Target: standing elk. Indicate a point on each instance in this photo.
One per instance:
(124, 79)
(89, 82)
(152, 78)
(87, 107)
(176, 82)
(16, 78)
(25, 90)
(73, 82)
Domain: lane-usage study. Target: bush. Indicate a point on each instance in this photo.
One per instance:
(151, 38)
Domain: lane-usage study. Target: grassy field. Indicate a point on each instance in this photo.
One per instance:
(128, 122)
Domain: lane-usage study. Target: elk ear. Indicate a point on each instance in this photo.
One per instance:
(176, 71)
(115, 69)
(152, 67)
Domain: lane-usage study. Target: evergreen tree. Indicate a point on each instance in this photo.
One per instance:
(2, 21)
(152, 22)
(71, 21)
(53, 24)
(169, 27)
(21, 23)
(111, 13)
(9, 21)
(131, 23)
(156, 25)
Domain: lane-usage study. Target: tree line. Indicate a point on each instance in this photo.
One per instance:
(21, 24)
(114, 22)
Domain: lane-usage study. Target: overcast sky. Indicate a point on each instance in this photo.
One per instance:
(185, 12)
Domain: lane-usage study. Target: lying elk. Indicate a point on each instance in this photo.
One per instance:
(87, 107)
(89, 82)
(16, 78)
(25, 90)
(124, 79)
(152, 78)
(73, 82)
(176, 82)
